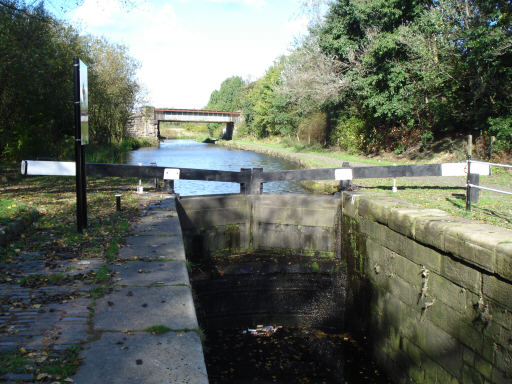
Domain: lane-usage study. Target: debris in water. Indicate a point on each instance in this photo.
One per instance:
(260, 330)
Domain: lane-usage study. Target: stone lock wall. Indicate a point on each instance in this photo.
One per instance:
(435, 290)
(282, 223)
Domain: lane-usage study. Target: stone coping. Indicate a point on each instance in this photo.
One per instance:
(17, 226)
(483, 246)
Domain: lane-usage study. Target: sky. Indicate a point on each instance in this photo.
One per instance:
(186, 48)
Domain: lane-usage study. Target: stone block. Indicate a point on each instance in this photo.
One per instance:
(501, 315)
(484, 367)
(404, 220)
(384, 236)
(307, 201)
(425, 256)
(210, 218)
(175, 357)
(412, 351)
(431, 230)
(350, 203)
(449, 293)
(156, 272)
(498, 290)
(461, 274)
(158, 225)
(476, 243)
(494, 333)
(153, 247)
(439, 346)
(377, 208)
(500, 377)
(416, 374)
(504, 260)
(468, 356)
(503, 359)
(144, 307)
(435, 373)
(383, 260)
(471, 375)
(455, 324)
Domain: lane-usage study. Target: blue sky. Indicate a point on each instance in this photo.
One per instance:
(188, 47)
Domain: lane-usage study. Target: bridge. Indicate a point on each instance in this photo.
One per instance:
(146, 123)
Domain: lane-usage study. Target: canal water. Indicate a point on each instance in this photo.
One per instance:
(191, 154)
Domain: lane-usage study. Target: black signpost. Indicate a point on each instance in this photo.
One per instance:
(81, 139)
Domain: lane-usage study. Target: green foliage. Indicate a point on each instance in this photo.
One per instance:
(10, 209)
(113, 90)
(413, 65)
(102, 275)
(313, 129)
(113, 152)
(36, 77)
(229, 96)
(267, 111)
(501, 127)
(349, 134)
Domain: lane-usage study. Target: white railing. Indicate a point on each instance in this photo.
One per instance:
(470, 185)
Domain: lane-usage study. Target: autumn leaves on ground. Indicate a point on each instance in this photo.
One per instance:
(50, 275)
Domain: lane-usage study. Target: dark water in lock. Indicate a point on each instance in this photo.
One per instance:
(191, 154)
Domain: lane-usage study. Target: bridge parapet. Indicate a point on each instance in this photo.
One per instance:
(197, 116)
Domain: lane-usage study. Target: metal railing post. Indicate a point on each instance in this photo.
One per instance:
(468, 186)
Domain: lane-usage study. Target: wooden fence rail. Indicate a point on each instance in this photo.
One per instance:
(251, 180)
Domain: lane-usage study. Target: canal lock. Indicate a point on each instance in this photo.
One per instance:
(248, 267)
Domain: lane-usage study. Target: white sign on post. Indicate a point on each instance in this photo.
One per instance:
(343, 174)
(171, 174)
(48, 168)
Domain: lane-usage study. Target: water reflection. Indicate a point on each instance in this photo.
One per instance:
(191, 154)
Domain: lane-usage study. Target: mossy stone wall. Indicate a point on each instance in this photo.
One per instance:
(300, 224)
(435, 290)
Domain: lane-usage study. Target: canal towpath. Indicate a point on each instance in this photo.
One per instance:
(146, 330)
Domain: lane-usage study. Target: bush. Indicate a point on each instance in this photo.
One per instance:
(313, 130)
(349, 134)
(501, 128)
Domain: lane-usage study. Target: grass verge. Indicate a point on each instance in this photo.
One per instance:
(447, 194)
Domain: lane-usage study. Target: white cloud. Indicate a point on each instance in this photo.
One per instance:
(183, 59)
(97, 13)
(252, 3)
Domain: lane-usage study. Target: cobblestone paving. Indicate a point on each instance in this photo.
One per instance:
(50, 317)
(46, 308)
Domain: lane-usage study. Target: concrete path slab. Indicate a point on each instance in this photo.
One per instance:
(153, 289)
(146, 273)
(175, 357)
(153, 247)
(137, 308)
(159, 224)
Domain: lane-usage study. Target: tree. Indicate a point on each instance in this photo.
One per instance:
(229, 96)
(310, 77)
(113, 89)
(422, 66)
(269, 111)
(36, 84)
